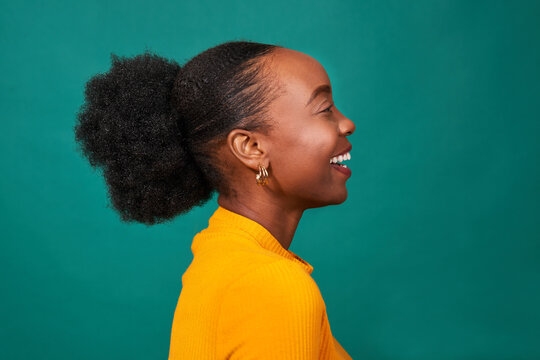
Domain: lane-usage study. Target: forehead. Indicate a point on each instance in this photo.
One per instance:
(298, 73)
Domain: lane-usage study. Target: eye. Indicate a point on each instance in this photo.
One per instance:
(328, 109)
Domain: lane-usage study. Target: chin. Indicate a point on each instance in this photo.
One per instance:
(340, 199)
(335, 199)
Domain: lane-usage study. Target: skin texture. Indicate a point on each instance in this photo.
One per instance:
(296, 153)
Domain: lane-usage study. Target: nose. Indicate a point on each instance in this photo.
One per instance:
(346, 126)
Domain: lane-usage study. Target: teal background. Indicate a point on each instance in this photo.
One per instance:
(434, 255)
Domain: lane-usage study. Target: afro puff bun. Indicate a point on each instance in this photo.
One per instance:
(146, 122)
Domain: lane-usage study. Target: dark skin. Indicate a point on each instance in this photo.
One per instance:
(296, 153)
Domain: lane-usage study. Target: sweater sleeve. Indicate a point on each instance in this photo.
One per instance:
(274, 312)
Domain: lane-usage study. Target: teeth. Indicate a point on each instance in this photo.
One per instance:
(340, 158)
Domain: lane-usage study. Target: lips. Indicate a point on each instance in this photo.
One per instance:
(341, 169)
(342, 156)
(349, 148)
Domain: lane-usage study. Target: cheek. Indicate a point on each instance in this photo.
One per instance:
(304, 156)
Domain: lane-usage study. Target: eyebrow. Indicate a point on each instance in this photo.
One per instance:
(320, 89)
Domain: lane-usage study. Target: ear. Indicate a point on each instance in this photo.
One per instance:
(248, 147)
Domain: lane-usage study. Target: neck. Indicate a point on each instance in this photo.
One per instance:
(280, 221)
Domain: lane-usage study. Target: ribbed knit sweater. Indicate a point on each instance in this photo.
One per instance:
(244, 296)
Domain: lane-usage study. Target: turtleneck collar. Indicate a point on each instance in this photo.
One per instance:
(255, 232)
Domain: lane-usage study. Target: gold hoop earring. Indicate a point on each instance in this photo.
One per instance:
(262, 176)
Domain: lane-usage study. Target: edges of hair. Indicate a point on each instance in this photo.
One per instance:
(127, 128)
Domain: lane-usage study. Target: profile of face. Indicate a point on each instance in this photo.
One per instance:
(308, 131)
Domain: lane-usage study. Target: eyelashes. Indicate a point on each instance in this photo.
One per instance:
(328, 109)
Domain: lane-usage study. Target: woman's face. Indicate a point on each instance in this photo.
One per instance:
(309, 130)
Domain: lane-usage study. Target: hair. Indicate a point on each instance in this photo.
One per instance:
(155, 128)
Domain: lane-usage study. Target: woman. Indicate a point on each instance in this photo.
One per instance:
(256, 123)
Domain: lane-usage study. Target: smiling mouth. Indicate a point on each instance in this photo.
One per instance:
(336, 163)
(337, 160)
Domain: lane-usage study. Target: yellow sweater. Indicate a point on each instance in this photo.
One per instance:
(244, 296)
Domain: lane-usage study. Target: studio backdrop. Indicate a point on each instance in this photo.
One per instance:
(434, 255)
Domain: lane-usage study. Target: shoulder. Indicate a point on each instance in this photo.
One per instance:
(274, 311)
(279, 281)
